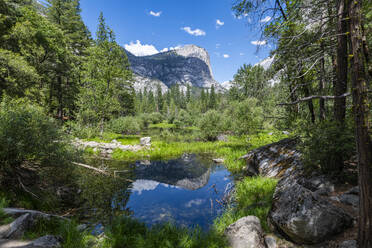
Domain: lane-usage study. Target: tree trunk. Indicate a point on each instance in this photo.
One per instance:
(310, 104)
(340, 84)
(322, 114)
(361, 117)
(60, 99)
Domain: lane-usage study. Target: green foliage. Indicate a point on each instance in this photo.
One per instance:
(126, 232)
(326, 145)
(210, 125)
(251, 81)
(155, 118)
(107, 79)
(246, 116)
(125, 125)
(253, 197)
(66, 229)
(4, 218)
(28, 135)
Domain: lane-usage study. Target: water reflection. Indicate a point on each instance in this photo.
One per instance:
(186, 191)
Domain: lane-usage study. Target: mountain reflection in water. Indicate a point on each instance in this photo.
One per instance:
(185, 191)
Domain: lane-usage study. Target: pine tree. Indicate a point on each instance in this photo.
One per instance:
(108, 90)
(212, 103)
(159, 99)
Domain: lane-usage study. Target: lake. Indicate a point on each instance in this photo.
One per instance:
(187, 191)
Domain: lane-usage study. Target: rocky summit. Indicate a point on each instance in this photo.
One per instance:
(187, 65)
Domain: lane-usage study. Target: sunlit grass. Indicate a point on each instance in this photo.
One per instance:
(123, 139)
(253, 197)
(164, 125)
(231, 150)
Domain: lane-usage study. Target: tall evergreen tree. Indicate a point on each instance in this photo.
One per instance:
(108, 89)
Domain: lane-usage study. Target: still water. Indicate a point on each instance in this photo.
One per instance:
(188, 191)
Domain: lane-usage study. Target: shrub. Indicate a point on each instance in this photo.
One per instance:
(78, 129)
(125, 125)
(28, 136)
(246, 116)
(210, 125)
(155, 117)
(145, 120)
(327, 145)
(184, 118)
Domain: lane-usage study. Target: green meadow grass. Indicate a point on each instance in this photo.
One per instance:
(253, 197)
(231, 150)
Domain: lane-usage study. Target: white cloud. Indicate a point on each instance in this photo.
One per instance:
(218, 45)
(239, 17)
(156, 14)
(241, 54)
(195, 202)
(266, 19)
(259, 42)
(166, 49)
(195, 32)
(226, 56)
(219, 23)
(140, 50)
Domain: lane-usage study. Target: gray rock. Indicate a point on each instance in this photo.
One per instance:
(47, 241)
(145, 141)
(350, 199)
(187, 65)
(270, 241)
(16, 229)
(223, 137)
(275, 160)
(43, 242)
(218, 160)
(303, 216)
(353, 191)
(348, 244)
(245, 233)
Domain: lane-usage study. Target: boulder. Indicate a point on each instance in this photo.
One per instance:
(303, 216)
(48, 241)
(270, 241)
(245, 233)
(350, 199)
(274, 160)
(218, 160)
(353, 191)
(16, 229)
(348, 244)
(145, 141)
(223, 137)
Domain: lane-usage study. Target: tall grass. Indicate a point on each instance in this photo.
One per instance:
(253, 197)
(4, 218)
(67, 230)
(127, 232)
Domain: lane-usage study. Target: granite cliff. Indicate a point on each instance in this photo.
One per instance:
(188, 65)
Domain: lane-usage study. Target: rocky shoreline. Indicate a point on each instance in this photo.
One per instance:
(307, 210)
(106, 149)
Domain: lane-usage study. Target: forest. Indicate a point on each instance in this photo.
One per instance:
(61, 85)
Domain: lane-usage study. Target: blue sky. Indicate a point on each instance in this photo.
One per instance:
(148, 26)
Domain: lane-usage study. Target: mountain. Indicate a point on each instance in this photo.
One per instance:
(187, 65)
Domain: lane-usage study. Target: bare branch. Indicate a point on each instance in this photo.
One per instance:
(309, 98)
